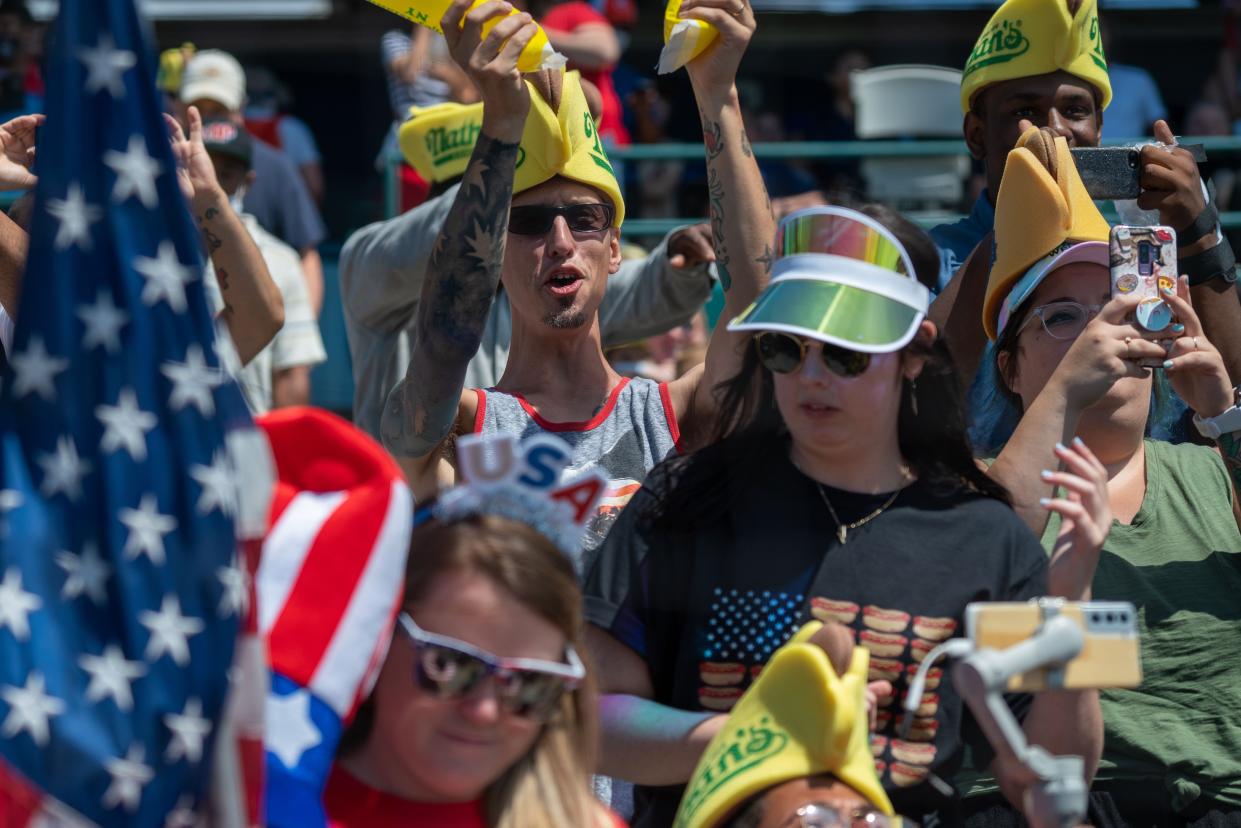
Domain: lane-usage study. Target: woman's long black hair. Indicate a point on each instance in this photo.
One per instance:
(934, 440)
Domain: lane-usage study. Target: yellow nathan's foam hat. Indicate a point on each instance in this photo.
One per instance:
(798, 719)
(438, 141)
(1042, 204)
(1035, 37)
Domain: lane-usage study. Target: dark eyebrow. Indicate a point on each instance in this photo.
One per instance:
(1061, 299)
(1023, 97)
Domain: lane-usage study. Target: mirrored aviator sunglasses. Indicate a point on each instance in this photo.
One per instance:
(537, 219)
(450, 670)
(783, 353)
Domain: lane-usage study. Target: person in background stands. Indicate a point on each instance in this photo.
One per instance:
(279, 375)
(383, 268)
(215, 83)
(1073, 364)
(268, 120)
(589, 41)
(1061, 82)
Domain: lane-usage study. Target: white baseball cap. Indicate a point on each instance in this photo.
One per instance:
(214, 76)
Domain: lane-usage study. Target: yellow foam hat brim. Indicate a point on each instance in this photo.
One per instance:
(798, 719)
(1025, 38)
(1034, 214)
(438, 141)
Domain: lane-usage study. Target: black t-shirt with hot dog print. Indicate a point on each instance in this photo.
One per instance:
(705, 605)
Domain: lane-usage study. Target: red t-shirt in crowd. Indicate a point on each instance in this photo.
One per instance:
(351, 803)
(567, 17)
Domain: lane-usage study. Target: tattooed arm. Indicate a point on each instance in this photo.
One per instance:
(464, 271)
(742, 227)
(253, 308)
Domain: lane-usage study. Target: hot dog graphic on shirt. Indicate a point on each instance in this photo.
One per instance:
(898, 642)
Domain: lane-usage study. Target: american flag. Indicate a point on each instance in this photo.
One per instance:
(120, 588)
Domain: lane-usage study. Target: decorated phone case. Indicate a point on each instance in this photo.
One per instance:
(1143, 261)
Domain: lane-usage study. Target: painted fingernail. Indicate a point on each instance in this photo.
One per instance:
(1178, 328)
(1168, 291)
(1077, 441)
(1045, 474)
(1167, 365)
(1044, 501)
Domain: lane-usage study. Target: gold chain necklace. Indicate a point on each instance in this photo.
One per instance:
(842, 529)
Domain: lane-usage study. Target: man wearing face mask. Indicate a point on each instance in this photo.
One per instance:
(279, 375)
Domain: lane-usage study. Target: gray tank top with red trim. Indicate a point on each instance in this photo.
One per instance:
(635, 430)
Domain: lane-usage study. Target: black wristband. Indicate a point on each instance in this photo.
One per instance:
(1206, 222)
(1215, 263)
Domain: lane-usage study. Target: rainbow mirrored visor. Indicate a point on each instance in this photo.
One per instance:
(841, 278)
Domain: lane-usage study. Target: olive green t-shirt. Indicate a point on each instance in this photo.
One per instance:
(1179, 563)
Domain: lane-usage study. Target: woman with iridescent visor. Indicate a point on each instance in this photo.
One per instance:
(842, 488)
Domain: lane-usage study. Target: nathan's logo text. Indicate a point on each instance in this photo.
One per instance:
(748, 747)
(1001, 43)
(596, 152)
(1096, 44)
(446, 144)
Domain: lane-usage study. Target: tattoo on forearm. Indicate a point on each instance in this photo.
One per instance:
(462, 277)
(212, 241)
(766, 259)
(1230, 447)
(222, 277)
(746, 150)
(713, 138)
(715, 192)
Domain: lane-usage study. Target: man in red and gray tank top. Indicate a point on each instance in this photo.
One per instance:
(540, 210)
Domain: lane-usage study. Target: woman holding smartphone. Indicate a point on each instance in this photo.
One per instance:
(843, 489)
(1072, 360)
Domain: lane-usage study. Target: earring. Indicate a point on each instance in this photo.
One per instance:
(913, 396)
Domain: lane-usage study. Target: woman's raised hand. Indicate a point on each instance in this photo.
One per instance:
(1194, 367)
(1110, 348)
(715, 71)
(1086, 518)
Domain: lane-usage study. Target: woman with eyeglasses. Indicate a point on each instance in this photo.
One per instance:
(843, 489)
(482, 714)
(1078, 366)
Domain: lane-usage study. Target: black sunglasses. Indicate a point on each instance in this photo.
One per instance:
(783, 353)
(537, 219)
(450, 669)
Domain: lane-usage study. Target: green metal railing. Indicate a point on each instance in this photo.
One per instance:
(818, 150)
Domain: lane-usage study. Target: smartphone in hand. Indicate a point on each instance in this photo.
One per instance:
(1143, 262)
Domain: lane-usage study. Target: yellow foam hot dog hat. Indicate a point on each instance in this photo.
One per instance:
(538, 53)
(1042, 204)
(684, 38)
(799, 718)
(1034, 37)
(437, 142)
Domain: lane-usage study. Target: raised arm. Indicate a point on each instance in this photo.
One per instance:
(253, 308)
(465, 265)
(651, 296)
(1172, 184)
(742, 228)
(17, 149)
